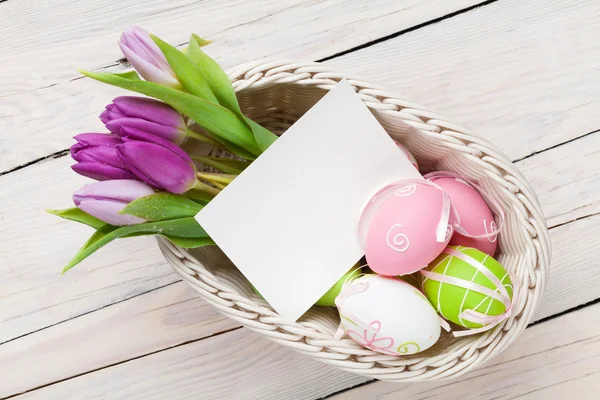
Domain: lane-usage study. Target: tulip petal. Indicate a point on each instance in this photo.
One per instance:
(150, 110)
(104, 155)
(129, 134)
(97, 147)
(166, 132)
(97, 139)
(149, 71)
(123, 190)
(158, 165)
(146, 44)
(101, 172)
(134, 39)
(110, 114)
(108, 211)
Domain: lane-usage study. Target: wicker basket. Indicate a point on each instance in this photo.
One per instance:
(276, 94)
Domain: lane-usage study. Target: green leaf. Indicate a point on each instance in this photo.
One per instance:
(225, 165)
(264, 137)
(214, 118)
(221, 86)
(131, 75)
(235, 149)
(189, 243)
(199, 196)
(213, 74)
(162, 206)
(77, 215)
(99, 234)
(200, 41)
(218, 180)
(187, 73)
(186, 228)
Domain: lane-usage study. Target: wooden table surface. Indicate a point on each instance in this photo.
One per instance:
(523, 73)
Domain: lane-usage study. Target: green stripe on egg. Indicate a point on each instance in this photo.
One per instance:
(450, 300)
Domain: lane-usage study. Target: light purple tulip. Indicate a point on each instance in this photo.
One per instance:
(147, 59)
(104, 200)
(147, 115)
(157, 162)
(97, 157)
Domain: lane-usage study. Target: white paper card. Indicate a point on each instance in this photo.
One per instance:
(289, 221)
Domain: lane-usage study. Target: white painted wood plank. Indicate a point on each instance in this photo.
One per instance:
(573, 265)
(44, 40)
(558, 359)
(171, 315)
(567, 181)
(234, 365)
(35, 295)
(242, 365)
(574, 278)
(34, 246)
(524, 74)
(243, 30)
(157, 320)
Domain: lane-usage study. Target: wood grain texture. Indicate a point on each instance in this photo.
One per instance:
(34, 246)
(574, 278)
(35, 295)
(546, 357)
(524, 74)
(160, 319)
(558, 359)
(567, 181)
(171, 315)
(44, 100)
(168, 316)
(233, 365)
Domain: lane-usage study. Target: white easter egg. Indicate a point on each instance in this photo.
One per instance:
(387, 315)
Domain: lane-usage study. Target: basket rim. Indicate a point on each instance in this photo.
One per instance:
(315, 337)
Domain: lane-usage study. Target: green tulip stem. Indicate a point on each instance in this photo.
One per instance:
(203, 138)
(203, 187)
(225, 179)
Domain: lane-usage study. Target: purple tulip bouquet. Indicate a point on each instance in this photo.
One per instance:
(148, 184)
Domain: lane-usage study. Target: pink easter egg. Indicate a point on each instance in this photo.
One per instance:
(408, 155)
(474, 214)
(405, 226)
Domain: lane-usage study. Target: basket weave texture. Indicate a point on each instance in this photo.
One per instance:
(276, 94)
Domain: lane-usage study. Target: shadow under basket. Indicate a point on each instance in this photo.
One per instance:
(276, 94)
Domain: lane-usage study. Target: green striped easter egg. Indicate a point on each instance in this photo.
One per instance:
(450, 300)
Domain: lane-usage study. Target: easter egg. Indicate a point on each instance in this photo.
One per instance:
(475, 215)
(405, 226)
(463, 282)
(328, 299)
(408, 155)
(387, 315)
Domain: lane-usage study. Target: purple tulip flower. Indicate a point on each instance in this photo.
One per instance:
(97, 157)
(148, 115)
(147, 59)
(104, 200)
(157, 161)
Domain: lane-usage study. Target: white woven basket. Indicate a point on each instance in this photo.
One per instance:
(276, 94)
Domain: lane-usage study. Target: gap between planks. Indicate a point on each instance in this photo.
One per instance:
(205, 368)
(582, 217)
(569, 144)
(122, 64)
(576, 218)
(245, 32)
(174, 314)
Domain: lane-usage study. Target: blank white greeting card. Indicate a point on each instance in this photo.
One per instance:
(289, 221)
